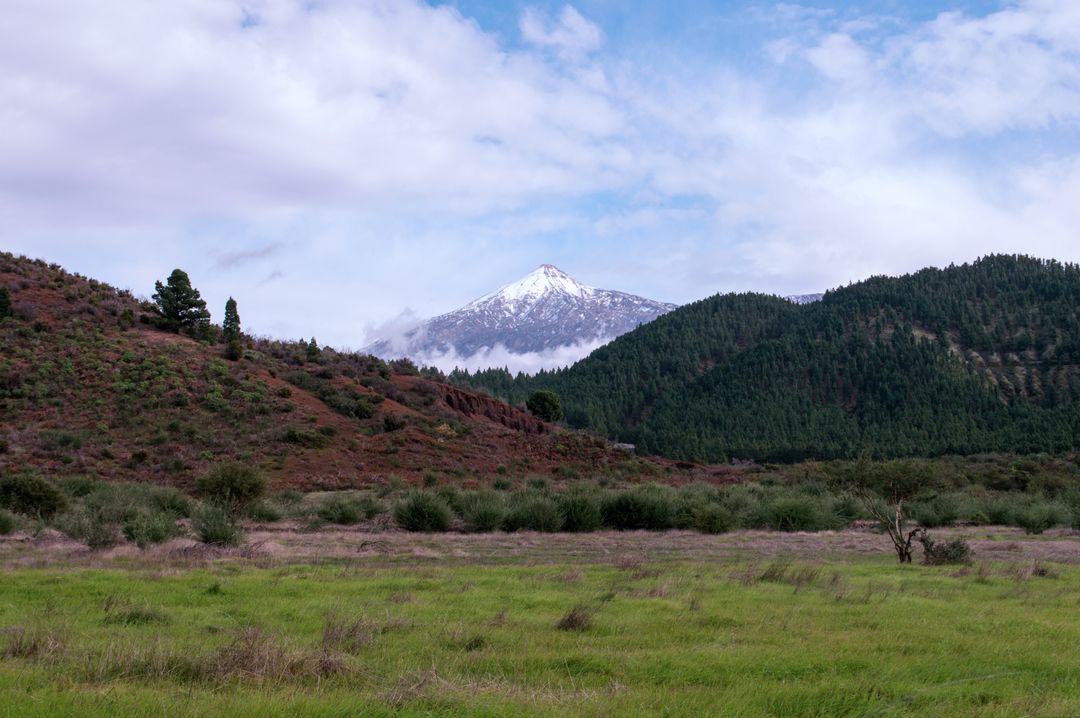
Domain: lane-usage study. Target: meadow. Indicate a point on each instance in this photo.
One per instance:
(611, 623)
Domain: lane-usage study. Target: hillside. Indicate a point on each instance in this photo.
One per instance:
(976, 358)
(88, 387)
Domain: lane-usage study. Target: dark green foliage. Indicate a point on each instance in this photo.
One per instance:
(713, 519)
(8, 522)
(79, 486)
(545, 405)
(646, 507)
(423, 512)
(97, 531)
(234, 485)
(31, 496)
(945, 552)
(304, 437)
(313, 353)
(5, 303)
(230, 325)
(348, 510)
(1040, 516)
(179, 305)
(148, 528)
(799, 513)
(970, 359)
(580, 511)
(482, 511)
(266, 512)
(534, 512)
(215, 525)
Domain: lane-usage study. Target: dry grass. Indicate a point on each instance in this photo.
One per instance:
(578, 618)
(36, 643)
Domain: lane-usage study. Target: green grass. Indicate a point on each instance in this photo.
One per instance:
(746, 639)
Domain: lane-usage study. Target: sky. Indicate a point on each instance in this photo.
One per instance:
(343, 167)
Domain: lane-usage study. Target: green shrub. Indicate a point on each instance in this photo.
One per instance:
(1039, 517)
(482, 511)
(234, 485)
(8, 523)
(148, 528)
(215, 525)
(648, 507)
(93, 529)
(713, 519)
(348, 510)
(580, 512)
(287, 497)
(946, 552)
(534, 512)
(31, 496)
(266, 512)
(79, 486)
(423, 512)
(798, 513)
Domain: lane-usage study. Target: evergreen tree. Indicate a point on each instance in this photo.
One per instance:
(545, 405)
(180, 305)
(313, 351)
(5, 303)
(230, 327)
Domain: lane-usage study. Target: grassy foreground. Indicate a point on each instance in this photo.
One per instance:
(738, 639)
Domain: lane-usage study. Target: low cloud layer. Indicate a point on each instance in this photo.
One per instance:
(500, 357)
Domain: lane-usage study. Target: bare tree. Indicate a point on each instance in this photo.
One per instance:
(883, 488)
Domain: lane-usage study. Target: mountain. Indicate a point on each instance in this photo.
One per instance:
(89, 387)
(545, 311)
(982, 357)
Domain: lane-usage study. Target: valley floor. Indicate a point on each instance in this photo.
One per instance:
(349, 623)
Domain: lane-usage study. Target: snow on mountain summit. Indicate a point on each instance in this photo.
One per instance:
(545, 312)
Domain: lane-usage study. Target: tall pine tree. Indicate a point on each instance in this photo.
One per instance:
(230, 330)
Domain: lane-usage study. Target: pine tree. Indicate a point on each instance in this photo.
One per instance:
(230, 331)
(230, 327)
(180, 304)
(313, 351)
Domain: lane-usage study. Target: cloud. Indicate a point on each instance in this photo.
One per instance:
(499, 356)
(570, 35)
(230, 260)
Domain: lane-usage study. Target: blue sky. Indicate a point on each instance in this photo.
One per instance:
(347, 167)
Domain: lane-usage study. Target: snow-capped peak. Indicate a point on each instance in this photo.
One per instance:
(544, 280)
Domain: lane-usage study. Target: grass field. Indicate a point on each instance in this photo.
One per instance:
(741, 636)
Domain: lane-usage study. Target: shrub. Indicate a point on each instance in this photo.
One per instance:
(423, 512)
(798, 513)
(578, 618)
(31, 496)
(8, 523)
(545, 405)
(266, 512)
(580, 512)
(348, 510)
(1042, 516)
(215, 525)
(640, 508)
(713, 519)
(944, 553)
(149, 528)
(234, 485)
(534, 513)
(93, 529)
(482, 511)
(79, 486)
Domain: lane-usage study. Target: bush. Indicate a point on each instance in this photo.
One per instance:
(713, 519)
(482, 511)
(215, 525)
(545, 405)
(266, 512)
(233, 485)
(534, 513)
(944, 553)
(348, 510)
(8, 523)
(150, 528)
(1042, 516)
(798, 513)
(31, 496)
(423, 512)
(641, 508)
(79, 486)
(580, 512)
(93, 529)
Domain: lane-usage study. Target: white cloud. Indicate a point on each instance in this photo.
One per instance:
(571, 35)
(500, 357)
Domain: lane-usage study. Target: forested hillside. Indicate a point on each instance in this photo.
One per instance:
(976, 358)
